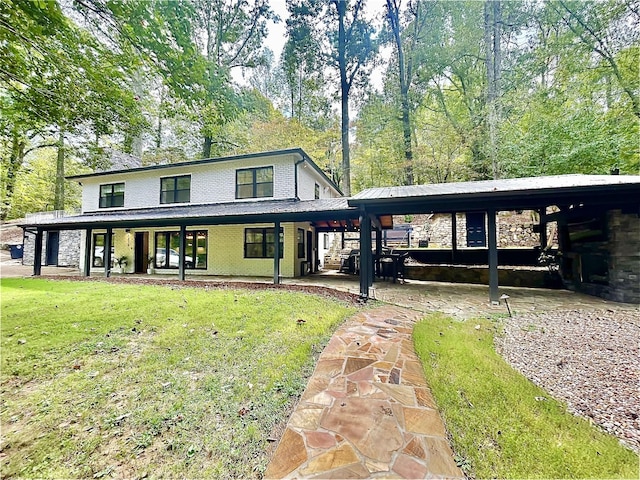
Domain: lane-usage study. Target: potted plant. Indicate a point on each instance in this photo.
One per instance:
(122, 263)
(150, 268)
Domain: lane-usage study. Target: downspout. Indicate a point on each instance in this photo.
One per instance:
(295, 176)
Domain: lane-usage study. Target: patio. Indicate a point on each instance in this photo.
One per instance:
(456, 299)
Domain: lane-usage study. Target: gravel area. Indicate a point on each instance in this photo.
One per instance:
(589, 359)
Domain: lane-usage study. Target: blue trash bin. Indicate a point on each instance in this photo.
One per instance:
(16, 251)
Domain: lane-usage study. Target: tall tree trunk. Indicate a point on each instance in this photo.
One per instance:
(206, 147)
(159, 128)
(404, 74)
(492, 21)
(341, 6)
(300, 93)
(58, 202)
(18, 145)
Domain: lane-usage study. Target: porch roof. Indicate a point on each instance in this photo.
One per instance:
(290, 210)
(507, 194)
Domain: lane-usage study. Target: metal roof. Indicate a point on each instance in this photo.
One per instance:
(512, 193)
(206, 214)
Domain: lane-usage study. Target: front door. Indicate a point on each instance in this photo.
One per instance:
(476, 232)
(141, 252)
(53, 246)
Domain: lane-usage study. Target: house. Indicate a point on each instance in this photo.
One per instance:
(214, 216)
(263, 214)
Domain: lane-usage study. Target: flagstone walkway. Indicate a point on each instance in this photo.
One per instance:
(367, 411)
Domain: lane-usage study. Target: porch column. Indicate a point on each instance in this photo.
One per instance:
(37, 254)
(454, 236)
(106, 254)
(365, 255)
(543, 227)
(378, 250)
(493, 257)
(181, 253)
(276, 253)
(87, 253)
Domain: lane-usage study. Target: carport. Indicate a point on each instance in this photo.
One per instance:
(577, 198)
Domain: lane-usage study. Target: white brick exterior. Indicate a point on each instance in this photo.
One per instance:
(213, 182)
(308, 177)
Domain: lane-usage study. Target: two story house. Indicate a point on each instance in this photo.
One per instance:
(220, 216)
(262, 214)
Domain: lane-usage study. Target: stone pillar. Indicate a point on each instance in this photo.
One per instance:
(624, 257)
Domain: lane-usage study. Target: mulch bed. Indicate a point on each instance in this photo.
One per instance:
(216, 285)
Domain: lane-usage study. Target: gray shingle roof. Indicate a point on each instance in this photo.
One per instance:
(266, 210)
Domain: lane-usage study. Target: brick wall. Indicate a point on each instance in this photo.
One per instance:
(210, 183)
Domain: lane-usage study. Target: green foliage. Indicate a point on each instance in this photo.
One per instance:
(569, 97)
(127, 75)
(34, 190)
(498, 427)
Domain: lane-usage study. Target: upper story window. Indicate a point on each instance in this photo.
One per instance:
(175, 189)
(112, 195)
(254, 182)
(316, 191)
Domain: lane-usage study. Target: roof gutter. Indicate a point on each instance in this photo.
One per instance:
(295, 176)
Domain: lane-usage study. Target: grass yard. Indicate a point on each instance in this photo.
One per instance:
(103, 380)
(498, 427)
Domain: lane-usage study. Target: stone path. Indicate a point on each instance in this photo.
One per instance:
(367, 411)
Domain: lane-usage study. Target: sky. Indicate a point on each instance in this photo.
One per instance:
(276, 37)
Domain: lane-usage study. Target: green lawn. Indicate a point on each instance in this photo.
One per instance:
(498, 427)
(102, 380)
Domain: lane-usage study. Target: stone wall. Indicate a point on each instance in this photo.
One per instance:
(509, 277)
(621, 253)
(68, 248)
(514, 229)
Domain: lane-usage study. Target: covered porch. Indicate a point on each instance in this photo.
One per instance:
(597, 217)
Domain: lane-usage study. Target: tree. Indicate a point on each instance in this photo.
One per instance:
(46, 53)
(407, 37)
(232, 32)
(493, 62)
(570, 114)
(303, 67)
(353, 49)
(607, 29)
